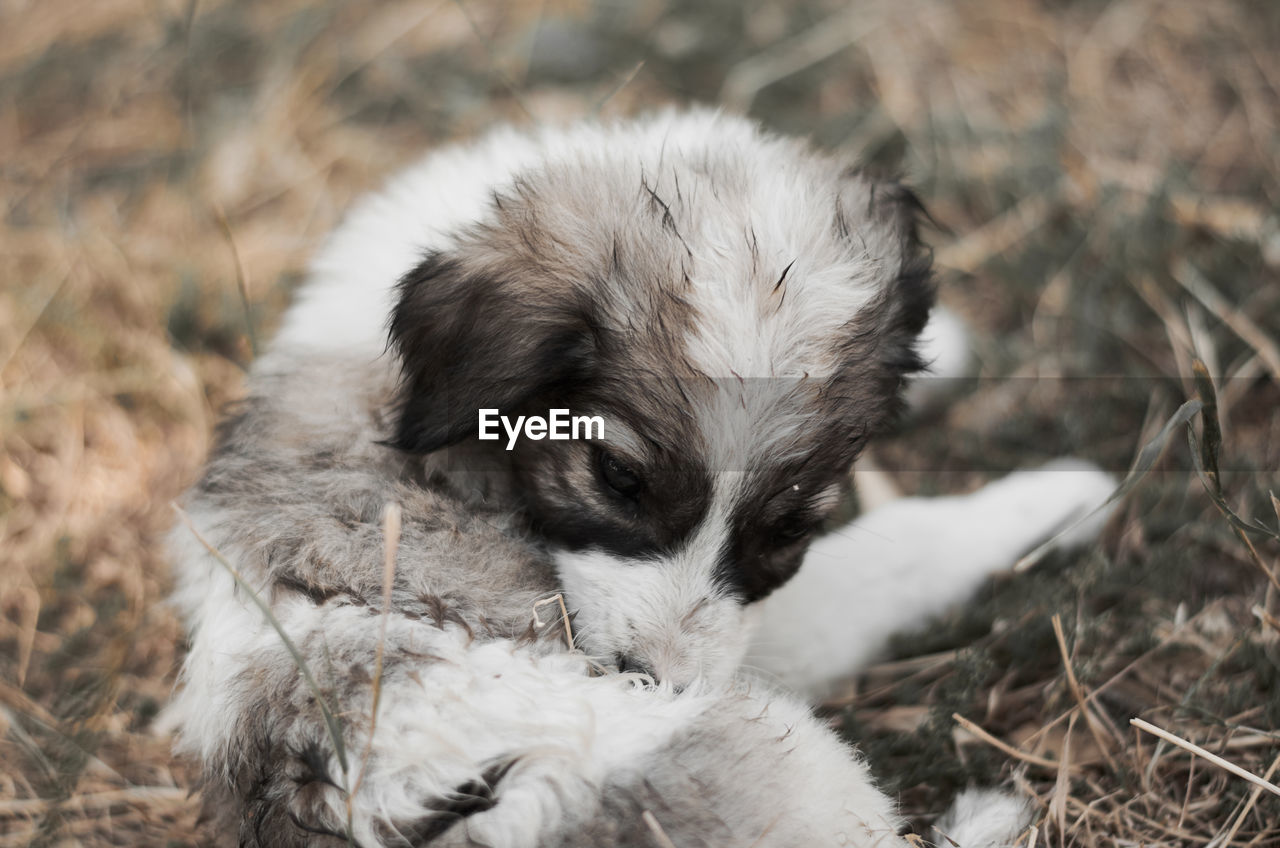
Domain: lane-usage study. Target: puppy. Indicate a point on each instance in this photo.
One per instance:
(740, 313)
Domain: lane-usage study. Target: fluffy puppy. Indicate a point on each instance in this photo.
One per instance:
(740, 311)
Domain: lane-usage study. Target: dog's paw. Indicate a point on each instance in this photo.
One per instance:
(1084, 488)
(1065, 494)
(983, 818)
(946, 346)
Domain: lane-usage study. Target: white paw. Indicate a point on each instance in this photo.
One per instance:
(946, 347)
(984, 818)
(1066, 494)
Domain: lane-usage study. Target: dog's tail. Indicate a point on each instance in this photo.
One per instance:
(984, 818)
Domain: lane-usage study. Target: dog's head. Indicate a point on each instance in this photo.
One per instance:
(739, 310)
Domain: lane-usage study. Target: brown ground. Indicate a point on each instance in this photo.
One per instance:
(1106, 174)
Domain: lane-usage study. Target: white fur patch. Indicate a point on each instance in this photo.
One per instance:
(895, 567)
(947, 351)
(984, 818)
(670, 613)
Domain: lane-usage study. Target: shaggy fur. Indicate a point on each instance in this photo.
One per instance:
(742, 312)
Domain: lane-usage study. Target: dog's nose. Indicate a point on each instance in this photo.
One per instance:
(628, 663)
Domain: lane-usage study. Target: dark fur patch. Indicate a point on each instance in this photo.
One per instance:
(545, 306)
(469, 340)
(318, 595)
(887, 331)
(862, 399)
(881, 351)
(468, 799)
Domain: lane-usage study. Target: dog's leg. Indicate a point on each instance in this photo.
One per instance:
(486, 730)
(894, 567)
(500, 742)
(293, 500)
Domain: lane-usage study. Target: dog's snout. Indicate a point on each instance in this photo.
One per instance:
(629, 664)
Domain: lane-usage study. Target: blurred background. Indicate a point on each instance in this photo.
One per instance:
(1103, 174)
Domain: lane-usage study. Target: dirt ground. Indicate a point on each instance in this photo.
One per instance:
(1104, 178)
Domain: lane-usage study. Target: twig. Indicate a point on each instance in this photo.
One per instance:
(623, 83)
(1266, 618)
(1062, 784)
(1201, 752)
(391, 537)
(1248, 805)
(1242, 325)
(564, 616)
(658, 833)
(1074, 685)
(1032, 759)
(242, 282)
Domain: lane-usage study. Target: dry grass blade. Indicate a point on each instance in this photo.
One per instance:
(1175, 326)
(1021, 756)
(1204, 456)
(1211, 441)
(1232, 218)
(20, 336)
(748, 78)
(1243, 326)
(996, 236)
(1094, 723)
(1202, 753)
(391, 540)
(1267, 618)
(496, 71)
(564, 616)
(331, 720)
(659, 835)
(242, 281)
(1062, 783)
(391, 520)
(1248, 806)
(1146, 459)
(613, 92)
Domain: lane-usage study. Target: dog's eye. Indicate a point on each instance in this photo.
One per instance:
(618, 476)
(791, 530)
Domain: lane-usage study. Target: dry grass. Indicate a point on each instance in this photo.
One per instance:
(1109, 170)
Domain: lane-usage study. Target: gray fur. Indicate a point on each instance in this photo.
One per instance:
(582, 278)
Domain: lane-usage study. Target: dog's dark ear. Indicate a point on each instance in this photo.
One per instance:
(476, 339)
(883, 217)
